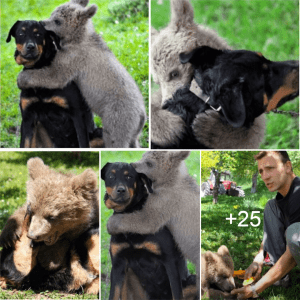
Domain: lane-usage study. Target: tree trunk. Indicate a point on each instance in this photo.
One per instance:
(216, 188)
(254, 183)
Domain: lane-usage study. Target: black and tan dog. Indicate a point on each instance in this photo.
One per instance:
(57, 118)
(143, 266)
(66, 266)
(241, 85)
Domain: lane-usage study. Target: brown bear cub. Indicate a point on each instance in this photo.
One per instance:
(217, 274)
(57, 230)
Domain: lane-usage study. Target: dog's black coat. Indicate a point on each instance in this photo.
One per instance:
(243, 83)
(41, 279)
(160, 273)
(64, 116)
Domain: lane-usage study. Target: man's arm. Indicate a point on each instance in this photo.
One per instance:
(284, 265)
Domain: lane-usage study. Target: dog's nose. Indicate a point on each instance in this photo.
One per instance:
(121, 190)
(30, 46)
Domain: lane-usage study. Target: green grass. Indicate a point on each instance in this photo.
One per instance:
(128, 40)
(13, 177)
(193, 165)
(243, 242)
(270, 27)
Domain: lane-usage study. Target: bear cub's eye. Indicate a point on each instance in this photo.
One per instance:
(57, 22)
(51, 218)
(149, 164)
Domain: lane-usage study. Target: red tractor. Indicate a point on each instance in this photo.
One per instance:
(226, 186)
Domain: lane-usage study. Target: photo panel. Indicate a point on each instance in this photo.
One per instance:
(85, 77)
(150, 220)
(250, 224)
(201, 101)
(49, 224)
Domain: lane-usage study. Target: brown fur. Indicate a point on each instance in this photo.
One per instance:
(183, 35)
(175, 203)
(60, 207)
(217, 269)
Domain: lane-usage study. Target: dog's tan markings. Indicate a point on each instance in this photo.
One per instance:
(27, 101)
(190, 292)
(134, 185)
(35, 30)
(151, 247)
(117, 293)
(113, 171)
(27, 143)
(97, 143)
(259, 54)
(282, 92)
(92, 246)
(116, 248)
(265, 66)
(60, 101)
(126, 172)
(112, 205)
(20, 47)
(79, 274)
(40, 49)
(24, 28)
(41, 138)
(44, 42)
(24, 256)
(131, 193)
(3, 283)
(109, 190)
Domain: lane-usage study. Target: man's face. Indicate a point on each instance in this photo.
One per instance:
(274, 172)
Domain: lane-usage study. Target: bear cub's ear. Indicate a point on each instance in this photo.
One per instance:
(85, 181)
(36, 168)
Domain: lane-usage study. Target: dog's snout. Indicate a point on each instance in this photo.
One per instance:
(121, 190)
(30, 46)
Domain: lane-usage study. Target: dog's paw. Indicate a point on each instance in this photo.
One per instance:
(8, 238)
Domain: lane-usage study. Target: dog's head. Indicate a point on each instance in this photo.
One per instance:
(33, 42)
(125, 187)
(244, 83)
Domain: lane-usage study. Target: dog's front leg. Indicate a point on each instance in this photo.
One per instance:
(117, 277)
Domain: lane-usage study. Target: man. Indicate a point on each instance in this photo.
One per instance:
(281, 238)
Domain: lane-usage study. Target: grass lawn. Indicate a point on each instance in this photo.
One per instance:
(128, 40)
(269, 27)
(193, 165)
(243, 242)
(13, 177)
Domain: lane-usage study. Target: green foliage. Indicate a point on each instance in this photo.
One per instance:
(261, 26)
(128, 40)
(193, 166)
(122, 9)
(13, 177)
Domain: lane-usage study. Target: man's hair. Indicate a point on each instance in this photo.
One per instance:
(284, 157)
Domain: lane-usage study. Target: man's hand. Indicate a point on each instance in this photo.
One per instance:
(242, 293)
(254, 270)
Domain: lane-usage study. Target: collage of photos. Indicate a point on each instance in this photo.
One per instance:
(192, 187)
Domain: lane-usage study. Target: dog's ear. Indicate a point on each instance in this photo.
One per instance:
(147, 182)
(55, 38)
(103, 170)
(230, 97)
(12, 32)
(201, 57)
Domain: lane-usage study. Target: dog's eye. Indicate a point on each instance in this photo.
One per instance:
(111, 176)
(21, 34)
(57, 22)
(37, 34)
(174, 74)
(128, 177)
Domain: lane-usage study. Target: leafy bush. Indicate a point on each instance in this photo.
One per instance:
(125, 8)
